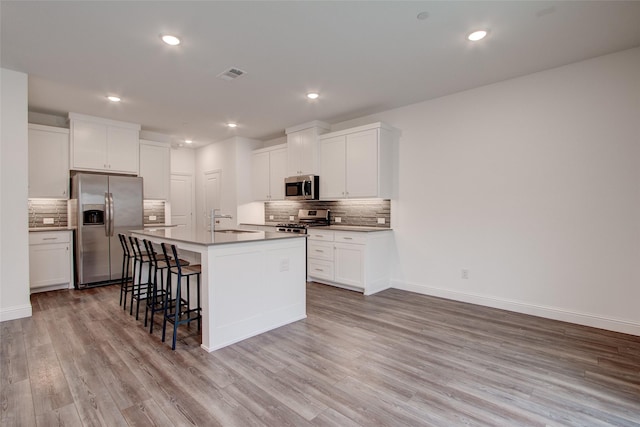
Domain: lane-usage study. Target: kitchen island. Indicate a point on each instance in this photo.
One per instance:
(252, 281)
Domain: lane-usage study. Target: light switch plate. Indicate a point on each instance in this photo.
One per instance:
(380, 220)
(47, 220)
(270, 217)
(338, 219)
(292, 218)
(152, 217)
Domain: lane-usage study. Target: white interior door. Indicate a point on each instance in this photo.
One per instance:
(212, 199)
(181, 201)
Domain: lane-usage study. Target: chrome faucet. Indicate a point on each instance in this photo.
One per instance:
(213, 218)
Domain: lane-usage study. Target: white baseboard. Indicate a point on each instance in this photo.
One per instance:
(584, 319)
(16, 312)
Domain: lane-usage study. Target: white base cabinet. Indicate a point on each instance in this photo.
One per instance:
(352, 260)
(50, 260)
(48, 162)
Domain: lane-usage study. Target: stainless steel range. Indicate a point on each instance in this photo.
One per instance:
(306, 218)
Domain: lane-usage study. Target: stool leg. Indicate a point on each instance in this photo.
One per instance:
(125, 286)
(166, 305)
(133, 287)
(153, 293)
(199, 306)
(177, 313)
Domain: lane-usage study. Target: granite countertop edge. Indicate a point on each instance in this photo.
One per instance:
(223, 238)
(38, 229)
(358, 228)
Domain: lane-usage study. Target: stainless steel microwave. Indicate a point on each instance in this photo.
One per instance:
(302, 187)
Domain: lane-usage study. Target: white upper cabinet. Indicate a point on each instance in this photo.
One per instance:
(302, 147)
(358, 162)
(155, 169)
(268, 170)
(48, 162)
(104, 145)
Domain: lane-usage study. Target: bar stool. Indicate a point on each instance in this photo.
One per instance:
(179, 310)
(155, 303)
(140, 290)
(126, 282)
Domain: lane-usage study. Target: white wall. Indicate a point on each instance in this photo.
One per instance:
(230, 157)
(14, 233)
(183, 161)
(533, 185)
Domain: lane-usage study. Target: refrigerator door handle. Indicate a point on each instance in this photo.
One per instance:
(107, 219)
(111, 215)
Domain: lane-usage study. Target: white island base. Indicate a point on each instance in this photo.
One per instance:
(249, 285)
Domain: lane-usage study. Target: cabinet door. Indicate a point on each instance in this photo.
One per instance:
(362, 164)
(277, 173)
(49, 265)
(349, 264)
(155, 170)
(89, 145)
(260, 175)
(123, 149)
(48, 162)
(302, 149)
(332, 168)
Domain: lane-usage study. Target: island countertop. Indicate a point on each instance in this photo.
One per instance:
(208, 238)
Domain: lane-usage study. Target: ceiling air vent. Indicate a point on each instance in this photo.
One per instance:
(230, 74)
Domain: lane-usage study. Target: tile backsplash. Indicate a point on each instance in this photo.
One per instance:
(154, 211)
(362, 212)
(47, 213)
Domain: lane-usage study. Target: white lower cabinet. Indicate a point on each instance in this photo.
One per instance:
(50, 260)
(352, 260)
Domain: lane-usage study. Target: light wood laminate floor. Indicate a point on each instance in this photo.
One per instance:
(392, 359)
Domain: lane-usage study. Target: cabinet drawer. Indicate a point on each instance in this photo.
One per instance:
(320, 250)
(358, 238)
(320, 269)
(325, 235)
(46, 237)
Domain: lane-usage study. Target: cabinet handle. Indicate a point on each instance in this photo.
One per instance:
(49, 238)
(318, 269)
(348, 238)
(318, 250)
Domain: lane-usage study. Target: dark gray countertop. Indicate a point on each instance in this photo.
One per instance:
(217, 238)
(352, 228)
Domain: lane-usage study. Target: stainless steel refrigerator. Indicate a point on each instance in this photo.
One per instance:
(104, 206)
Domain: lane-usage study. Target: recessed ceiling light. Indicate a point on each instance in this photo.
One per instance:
(312, 95)
(188, 141)
(232, 125)
(477, 35)
(422, 16)
(171, 40)
(113, 98)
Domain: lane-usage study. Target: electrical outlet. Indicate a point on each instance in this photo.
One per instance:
(464, 273)
(292, 218)
(284, 264)
(380, 220)
(152, 217)
(270, 217)
(337, 219)
(47, 220)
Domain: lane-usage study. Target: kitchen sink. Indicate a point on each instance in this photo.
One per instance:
(231, 231)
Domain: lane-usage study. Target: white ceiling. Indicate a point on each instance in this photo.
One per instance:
(363, 57)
